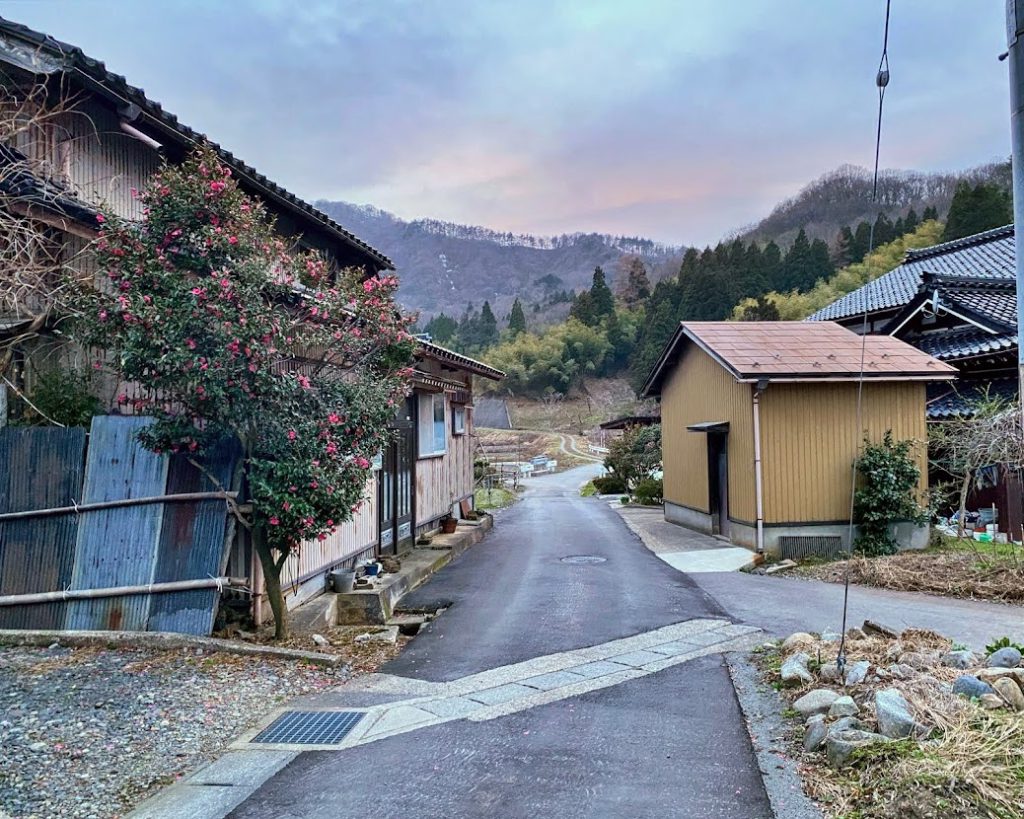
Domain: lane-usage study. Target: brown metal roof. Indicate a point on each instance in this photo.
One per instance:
(799, 351)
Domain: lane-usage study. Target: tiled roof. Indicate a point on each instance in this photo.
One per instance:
(988, 255)
(951, 400)
(117, 88)
(963, 342)
(998, 305)
(436, 351)
(800, 351)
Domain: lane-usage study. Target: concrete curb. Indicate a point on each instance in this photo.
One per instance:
(159, 640)
(762, 711)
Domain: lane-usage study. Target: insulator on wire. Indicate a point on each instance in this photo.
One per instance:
(882, 79)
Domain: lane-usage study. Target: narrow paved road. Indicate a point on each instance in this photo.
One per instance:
(668, 744)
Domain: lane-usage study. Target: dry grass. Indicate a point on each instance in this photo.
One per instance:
(362, 658)
(600, 400)
(971, 766)
(961, 569)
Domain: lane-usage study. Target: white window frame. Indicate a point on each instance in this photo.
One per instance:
(458, 419)
(427, 424)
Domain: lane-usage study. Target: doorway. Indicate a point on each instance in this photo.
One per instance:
(395, 485)
(718, 482)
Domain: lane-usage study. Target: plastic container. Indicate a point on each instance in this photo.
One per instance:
(342, 580)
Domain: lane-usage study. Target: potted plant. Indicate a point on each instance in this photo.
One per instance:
(448, 524)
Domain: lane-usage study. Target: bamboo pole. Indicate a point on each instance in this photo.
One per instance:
(119, 591)
(117, 504)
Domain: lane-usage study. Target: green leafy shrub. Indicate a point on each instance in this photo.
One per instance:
(888, 480)
(1002, 642)
(649, 491)
(635, 454)
(64, 397)
(609, 485)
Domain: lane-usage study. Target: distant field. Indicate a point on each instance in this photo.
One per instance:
(602, 400)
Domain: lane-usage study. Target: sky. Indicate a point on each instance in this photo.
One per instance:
(678, 120)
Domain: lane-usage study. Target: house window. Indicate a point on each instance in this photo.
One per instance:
(458, 419)
(433, 426)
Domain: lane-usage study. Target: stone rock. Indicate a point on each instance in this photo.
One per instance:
(991, 674)
(855, 634)
(829, 636)
(877, 629)
(840, 746)
(1007, 657)
(390, 564)
(794, 669)
(962, 658)
(796, 640)
(894, 652)
(856, 673)
(894, 717)
(901, 671)
(829, 672)
(1008, 689)
(920, 660)
(846, 724)
(991, 702)
(817, 701)
(320, 640)
(969, 686)
(815, 735)
(843, 707)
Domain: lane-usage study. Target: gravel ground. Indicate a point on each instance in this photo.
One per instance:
(91, 732)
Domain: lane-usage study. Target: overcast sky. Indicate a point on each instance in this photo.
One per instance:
(678, 119)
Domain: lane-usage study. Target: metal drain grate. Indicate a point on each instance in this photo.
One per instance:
(583, 559)
(309, 728)
(800, 546)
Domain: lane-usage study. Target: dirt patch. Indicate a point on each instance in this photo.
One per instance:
(986, 572)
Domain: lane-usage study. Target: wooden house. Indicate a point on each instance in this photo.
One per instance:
(760, 427)
(956, 301)
(107, 138)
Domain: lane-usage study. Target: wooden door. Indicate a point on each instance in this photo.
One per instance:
(396, 485)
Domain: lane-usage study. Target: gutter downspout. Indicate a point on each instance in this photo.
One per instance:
(760, 387)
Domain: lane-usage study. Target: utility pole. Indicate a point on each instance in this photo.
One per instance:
(1015, 52)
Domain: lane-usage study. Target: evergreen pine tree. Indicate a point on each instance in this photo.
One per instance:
(911, 221)
(883, 231)
(898, 229)
(983, 207)
(842, 255)
(797, 267)
(602, 300)
(689, 264)
(635, 286)
(517, 319)
(583, 308)
(861, 242)
(763, 310)
(930, 214)
(488, 324)
(821, 266)
(771, 266)
(442, 329)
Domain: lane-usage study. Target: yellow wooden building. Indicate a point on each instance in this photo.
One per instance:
(760, 427)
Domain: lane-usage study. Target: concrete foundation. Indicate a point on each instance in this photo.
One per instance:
(690, 518)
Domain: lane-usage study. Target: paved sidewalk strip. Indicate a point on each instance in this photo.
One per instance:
(520, 686)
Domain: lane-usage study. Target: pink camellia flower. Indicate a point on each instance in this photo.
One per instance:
(292, 435)
(303, 381)
(190, 343)
(362, 463)
(122, 399)
(286, 505)
(100, 218)
(334, 418)
(102, 315)
(273, 521)
(232, 240)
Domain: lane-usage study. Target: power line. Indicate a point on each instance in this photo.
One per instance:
(881, 82)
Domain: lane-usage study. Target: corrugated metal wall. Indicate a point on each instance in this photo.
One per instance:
(810, 439)
(42, 468)
(700, 390)
(39, 468)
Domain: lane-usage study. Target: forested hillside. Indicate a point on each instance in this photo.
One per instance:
(446, 267)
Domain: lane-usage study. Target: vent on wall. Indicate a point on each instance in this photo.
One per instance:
(797, 547)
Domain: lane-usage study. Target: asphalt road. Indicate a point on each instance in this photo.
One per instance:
(671, 744)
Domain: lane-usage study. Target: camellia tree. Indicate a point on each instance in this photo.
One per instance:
(229, 335)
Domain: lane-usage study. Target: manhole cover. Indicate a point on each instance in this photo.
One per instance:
(309, 728)
(583, 559)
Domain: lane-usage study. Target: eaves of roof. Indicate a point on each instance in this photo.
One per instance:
(94, 74)
(443, 354)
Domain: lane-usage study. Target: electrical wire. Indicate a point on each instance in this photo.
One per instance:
(881, 82)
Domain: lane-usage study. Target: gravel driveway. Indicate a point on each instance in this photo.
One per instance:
(90, 732)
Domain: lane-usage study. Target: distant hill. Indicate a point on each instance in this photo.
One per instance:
(444, 266)
(843, 197)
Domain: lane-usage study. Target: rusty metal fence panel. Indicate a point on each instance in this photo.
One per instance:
(39, 468)
(117, 547)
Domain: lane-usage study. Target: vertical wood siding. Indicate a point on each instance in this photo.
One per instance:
(446, 479)
(810, 439)
(701, 390)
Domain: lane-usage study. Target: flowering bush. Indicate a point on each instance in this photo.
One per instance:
(231, 334)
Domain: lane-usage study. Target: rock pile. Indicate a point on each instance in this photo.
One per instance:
(890, 686)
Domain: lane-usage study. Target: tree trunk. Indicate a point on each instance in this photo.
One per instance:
(272, 580)
(965, 488)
